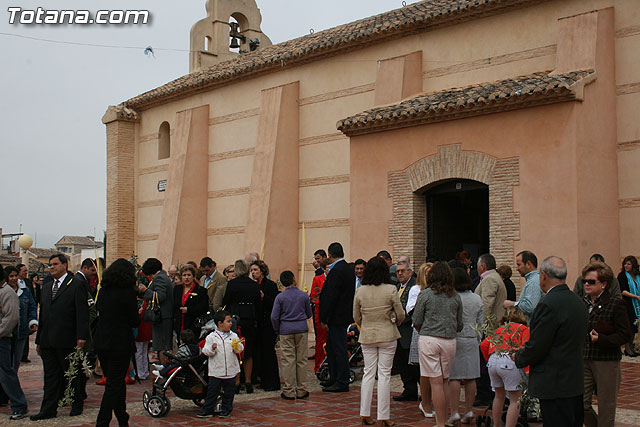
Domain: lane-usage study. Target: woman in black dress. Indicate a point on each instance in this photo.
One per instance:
(242, 299)
(190, 300)
(267, 361)
(629, 279)
(113, 341)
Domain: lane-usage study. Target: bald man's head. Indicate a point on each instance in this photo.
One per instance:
(553, 271)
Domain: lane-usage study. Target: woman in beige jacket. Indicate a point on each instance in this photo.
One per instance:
(378, 311)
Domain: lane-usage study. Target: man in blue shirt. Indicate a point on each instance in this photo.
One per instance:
(527, 266)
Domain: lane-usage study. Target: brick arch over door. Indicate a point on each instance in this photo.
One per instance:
(407, 229)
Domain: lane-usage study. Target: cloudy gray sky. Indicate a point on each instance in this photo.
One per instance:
(53, 95)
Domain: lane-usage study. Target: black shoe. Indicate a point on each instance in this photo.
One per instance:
(336, 389)
(237, 388)
(274, 388)
(405, 398)
(249, 388)
(224, 414)
(311, 357)
(285, 397)
(40, 416)
(626, 353)
(326, 383)
(204, 414)
(304, 396)
(75, 411)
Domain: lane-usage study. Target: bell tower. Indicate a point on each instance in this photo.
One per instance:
(230, 24)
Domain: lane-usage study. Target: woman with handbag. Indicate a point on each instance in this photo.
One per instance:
(113, 340)
(378, 311)
(159, 296)
(242, 299)
(190, 299)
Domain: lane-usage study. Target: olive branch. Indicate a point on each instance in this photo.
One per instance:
(78, 365)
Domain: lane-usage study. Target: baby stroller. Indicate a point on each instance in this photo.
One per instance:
(187, 381)
(354, 350)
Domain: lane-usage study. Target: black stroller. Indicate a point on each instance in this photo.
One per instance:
(356, 358)
(187, 381)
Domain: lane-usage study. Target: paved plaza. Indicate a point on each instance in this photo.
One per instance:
(268, 409)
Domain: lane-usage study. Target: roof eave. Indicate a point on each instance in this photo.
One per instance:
(483, 8)
(497, 106)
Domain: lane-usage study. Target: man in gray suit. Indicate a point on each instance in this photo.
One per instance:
(162, 285)
(214, 282)
(554, 350)
(491, 289)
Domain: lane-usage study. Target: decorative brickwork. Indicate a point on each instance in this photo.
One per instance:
(407, 229)
(120, 189)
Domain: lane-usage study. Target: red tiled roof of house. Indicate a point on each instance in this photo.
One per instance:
(485, 98)
(411, 19)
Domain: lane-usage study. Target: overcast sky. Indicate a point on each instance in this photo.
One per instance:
(53, 96)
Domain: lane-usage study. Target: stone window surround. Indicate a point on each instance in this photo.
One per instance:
(407, 229)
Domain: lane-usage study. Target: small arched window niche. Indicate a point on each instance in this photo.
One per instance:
(164, 141)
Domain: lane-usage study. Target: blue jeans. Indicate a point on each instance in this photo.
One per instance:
(228, 392)
(18, 351)
(9, 378)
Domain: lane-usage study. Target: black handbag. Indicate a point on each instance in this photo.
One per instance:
(152, 313)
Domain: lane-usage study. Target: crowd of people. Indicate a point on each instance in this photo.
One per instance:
(445, 327)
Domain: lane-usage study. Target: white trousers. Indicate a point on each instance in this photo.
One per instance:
(378, 358)
(142, 359)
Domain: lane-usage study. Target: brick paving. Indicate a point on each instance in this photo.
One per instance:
(268, 409)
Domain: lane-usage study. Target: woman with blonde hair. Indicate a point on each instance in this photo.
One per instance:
(378, 311)
(414, 357)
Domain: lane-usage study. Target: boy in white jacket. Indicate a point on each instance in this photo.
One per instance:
(222, 347)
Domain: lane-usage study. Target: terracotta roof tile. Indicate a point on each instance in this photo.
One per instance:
(418, 17)
(43, 253)
(78, 240)
(485, 98)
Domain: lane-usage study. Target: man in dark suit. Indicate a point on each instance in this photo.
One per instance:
(410, 374)
(318, 257)
(554, 350)
(336, 313)
(86, 272)
(64, 325)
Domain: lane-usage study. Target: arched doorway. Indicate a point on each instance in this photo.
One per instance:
(457, 218)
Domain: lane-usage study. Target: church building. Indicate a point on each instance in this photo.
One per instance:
(488, 125)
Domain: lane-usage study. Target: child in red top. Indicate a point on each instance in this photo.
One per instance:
(505, 376)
